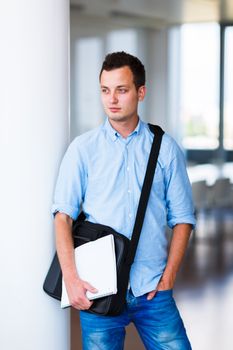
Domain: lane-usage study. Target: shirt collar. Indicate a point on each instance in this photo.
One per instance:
(114, 134)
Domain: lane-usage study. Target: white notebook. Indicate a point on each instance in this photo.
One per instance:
(96, 264)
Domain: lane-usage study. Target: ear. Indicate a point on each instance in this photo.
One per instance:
(141, 93)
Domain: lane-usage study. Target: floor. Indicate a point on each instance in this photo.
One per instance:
(204, 287)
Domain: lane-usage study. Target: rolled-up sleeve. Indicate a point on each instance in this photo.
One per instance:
(71, 182)
(179, 200)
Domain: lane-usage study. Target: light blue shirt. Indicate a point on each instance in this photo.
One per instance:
(104, 172)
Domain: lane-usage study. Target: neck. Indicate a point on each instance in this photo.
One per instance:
(124, 128)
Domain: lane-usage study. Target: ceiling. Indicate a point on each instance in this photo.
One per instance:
(155, 13)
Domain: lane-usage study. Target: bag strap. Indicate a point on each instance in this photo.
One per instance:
(145, 193)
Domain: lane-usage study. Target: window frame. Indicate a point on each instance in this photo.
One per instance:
(218, 154)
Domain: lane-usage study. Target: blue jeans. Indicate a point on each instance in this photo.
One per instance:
(157, 321)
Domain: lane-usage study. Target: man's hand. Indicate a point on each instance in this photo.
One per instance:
(179, 242)
(76, 290)
(165, 283)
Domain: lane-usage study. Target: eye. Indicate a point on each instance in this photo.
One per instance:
(122, 90)
(104, 90)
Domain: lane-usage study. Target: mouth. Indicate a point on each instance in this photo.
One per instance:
(114, 109)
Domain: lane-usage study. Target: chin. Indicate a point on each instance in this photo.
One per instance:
(117, 118)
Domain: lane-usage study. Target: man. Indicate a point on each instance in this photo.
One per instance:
(103, 171)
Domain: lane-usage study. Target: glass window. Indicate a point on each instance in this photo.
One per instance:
(228, 90)
(200, 85)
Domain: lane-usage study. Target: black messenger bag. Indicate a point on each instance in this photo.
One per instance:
(125, 249)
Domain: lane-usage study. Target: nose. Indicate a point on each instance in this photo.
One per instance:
(113, 97)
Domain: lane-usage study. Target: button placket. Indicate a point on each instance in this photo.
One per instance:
(127, 189)
(130, 189)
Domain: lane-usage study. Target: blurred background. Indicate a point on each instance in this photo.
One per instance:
(51, 54)
(187, 49)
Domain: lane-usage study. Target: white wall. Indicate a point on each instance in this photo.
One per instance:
(34, 112)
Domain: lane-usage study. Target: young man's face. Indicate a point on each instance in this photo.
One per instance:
(119, 95)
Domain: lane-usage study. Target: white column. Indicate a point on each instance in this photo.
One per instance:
(34, 132)
(157, 77)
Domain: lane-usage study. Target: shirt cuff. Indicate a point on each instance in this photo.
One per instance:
(182, 220)
(66, 209)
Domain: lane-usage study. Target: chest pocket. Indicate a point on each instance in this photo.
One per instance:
(105, 176)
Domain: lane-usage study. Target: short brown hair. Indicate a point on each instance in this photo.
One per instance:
(121, 59)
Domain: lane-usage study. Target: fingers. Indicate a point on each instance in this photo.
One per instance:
(80, 300)
(89, 287)
(151, 295)
(82, 303)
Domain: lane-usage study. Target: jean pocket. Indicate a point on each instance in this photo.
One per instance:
(165, 291)
(162, 294)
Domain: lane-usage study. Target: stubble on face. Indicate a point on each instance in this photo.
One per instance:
(119, 95)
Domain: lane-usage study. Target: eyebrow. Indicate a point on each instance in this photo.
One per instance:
(122, 86)
(118, 86)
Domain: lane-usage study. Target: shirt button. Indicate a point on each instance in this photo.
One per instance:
(129, 191)
(130, 215)
(127, 168)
